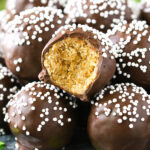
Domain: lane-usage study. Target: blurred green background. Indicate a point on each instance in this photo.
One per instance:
(2, 4)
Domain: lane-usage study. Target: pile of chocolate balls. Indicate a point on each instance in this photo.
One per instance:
(71, 69)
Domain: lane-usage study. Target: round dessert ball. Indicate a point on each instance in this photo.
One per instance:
(25, 38)
(9, 85)
(145, 11)
(133, 56)
(79, 60)
(41, 116)
(119, 119)
(14, 7)
(101, 14)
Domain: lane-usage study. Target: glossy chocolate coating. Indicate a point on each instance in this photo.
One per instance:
(106, 65)
(101, 15)
(9, 85)
(119, 119)
(25, 38)
(41, 116)
(134, 55)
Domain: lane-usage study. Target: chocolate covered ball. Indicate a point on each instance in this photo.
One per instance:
(120, 118)
(41, 117)
(79, 60)
(133, 58)
(14, 7)
(145, 11)
(9, 85)
(25, 38)
(99, 14)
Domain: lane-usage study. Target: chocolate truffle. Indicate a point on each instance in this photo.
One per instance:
(79, 60)
(14, 7)
(145, 11)
(100, 14)
(8, 87)
(25, 38)
(41, 117)
(133, 59)
(120, 118)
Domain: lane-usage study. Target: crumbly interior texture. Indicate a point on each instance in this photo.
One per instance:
(72, 64)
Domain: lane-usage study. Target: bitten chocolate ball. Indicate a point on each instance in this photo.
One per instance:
(9, 85)
(79, 60)
(99, 14)
(25, 38)
(145, 11)
(41, 117)
(120, 118)
(14, 7)
(133, 56)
